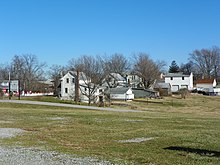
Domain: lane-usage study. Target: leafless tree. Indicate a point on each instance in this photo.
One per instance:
(27, 68)
(55, 73)
(4, 71)
(116, 63)
(93, 73)
(146, 68)
(207, 61)
(187, 68)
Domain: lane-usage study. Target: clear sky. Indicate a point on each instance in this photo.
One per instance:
(58, 30)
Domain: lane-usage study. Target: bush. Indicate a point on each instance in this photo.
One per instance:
(183, 92)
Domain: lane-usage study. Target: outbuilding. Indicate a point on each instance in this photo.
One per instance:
(121, 93)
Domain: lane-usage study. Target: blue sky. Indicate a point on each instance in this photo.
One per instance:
(59, 30)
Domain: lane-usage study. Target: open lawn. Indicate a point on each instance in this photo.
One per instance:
(173, 131)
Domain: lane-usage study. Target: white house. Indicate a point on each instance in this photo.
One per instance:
(179, 80)
(121, 93)
(115, 79)
(207, 84)
(68, 87)
(133, 80)
(68, 82)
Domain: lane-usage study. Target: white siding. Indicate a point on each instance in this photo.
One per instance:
(67, 85)
(122, 96)
(178, 82)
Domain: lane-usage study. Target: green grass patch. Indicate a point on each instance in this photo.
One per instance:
(187, 133)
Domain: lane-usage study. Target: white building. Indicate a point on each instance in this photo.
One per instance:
(179, 80)
(206, 85)
(134, 81)
(121, 93)
(68, 86)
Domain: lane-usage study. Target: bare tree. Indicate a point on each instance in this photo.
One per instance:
(27, 68)
(93, 73)
(55, 73)
(4, 71)
(207, 61)
(146, 68)
(116, 63)
(187, 68)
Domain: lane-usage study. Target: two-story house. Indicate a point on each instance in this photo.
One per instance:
(134, 81)
(69, 88)
(68, 84)
(179, 80)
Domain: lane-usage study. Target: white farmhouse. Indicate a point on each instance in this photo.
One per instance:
(179, 80)
(68, 82)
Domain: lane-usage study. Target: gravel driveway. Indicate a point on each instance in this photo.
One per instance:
(32, 156)
(26, 156)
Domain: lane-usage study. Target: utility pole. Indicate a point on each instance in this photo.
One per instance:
(19, 91)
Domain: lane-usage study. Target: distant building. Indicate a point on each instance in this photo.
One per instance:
(206, 85)
(179, 80)
(134, 81)
(163, 88)
(68, 87)
(121, 93)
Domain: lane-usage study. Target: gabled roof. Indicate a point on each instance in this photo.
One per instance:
(205, 81)
(117, 76)
(82, 76)
(179, 74)
(119, 90)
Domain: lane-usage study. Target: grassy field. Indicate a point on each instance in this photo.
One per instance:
(170, 131)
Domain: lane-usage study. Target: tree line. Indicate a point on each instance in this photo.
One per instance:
(204, 63)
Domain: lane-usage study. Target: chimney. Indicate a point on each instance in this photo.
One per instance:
(77, 86)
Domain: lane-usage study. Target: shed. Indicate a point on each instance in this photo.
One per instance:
(121, 93)
(143, 93)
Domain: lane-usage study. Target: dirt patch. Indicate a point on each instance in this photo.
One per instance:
(10, 132)
(25, 156)
(136, 140)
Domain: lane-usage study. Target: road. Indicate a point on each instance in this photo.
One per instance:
(68, 105)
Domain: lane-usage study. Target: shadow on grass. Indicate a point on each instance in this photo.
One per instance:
(201, 152)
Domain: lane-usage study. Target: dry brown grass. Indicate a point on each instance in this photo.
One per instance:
(183, 131)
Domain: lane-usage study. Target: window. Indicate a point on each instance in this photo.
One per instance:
(66, 90)
(73, 80)
(100, 90)
(171, 78)
(182, 78)
(85, 89)
(67, 80)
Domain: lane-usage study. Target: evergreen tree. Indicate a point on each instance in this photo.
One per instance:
(174, 68)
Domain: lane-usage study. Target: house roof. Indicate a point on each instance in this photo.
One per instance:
(179, 74)
(119, 90)
(117, 77)
(162, 85)
(205, 81)
(82, 76)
